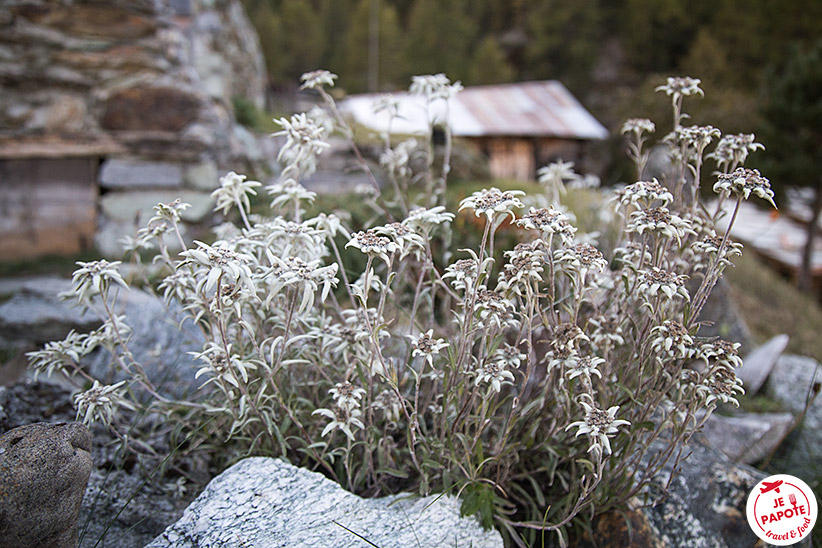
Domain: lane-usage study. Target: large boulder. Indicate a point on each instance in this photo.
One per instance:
(267, 502)
(44, 469)
(121, 508)
(161, 335)
(795, 382)
(704, 505)
(35, 314)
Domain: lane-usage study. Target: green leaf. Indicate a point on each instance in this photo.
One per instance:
(478, 499)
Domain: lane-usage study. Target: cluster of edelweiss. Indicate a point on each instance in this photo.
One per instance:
(427, 372)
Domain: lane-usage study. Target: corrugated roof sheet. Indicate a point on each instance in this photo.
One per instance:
(538, 109)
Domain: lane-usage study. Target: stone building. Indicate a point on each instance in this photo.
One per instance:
(107, 108)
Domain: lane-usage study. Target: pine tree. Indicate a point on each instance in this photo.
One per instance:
(489, 65)
(793, 134)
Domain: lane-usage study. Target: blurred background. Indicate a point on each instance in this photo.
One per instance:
(107, 108)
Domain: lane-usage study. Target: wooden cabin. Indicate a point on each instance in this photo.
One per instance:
(519, 127)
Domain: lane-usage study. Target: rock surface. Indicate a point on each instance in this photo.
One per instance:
(759, 363)
(120, 509)
(705, 504)
(747, 437)
(44, 469)
(35, 315)
(792, 382)
(266, 502)
(723, 318)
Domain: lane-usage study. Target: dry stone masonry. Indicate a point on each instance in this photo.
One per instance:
(107, 108)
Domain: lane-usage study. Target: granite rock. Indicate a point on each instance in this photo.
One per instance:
(795, 382)
(34, 314)
(747, 437)
(44, 469)
(267, 502)
(121, 508)
(759, 363)
(704, 505)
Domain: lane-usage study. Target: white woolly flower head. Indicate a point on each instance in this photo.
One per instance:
(743, 182)
(234, 191)
(317, 79)
(493, 202)
(598, 425)
(434, 86)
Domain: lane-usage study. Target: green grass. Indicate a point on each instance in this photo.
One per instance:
(771, 305)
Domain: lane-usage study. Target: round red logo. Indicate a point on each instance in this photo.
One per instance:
(782, 510)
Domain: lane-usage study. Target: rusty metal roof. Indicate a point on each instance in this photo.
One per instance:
(534, 109)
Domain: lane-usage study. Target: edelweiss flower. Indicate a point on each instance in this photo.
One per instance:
(346, 395)
(598, 425)
(341, 420)
(638, 126)
(607, 331)
(673, 341)
(585, 367)
(330, 225)
(286, 238)
(434, 86)
(222, 368)
(396, 159)
(94, 278)
(305, 140)
(549, 221)
(218, 262)
(389, 403)
(509, 355)
(721, 353)
(524, 265)
(303, 276)
(494, 372)
(743, 182)
(644, 193)
(660, 221)
(55, 355)
(406, 239)
(423, 220)
(494, 309)
(709, 245)
(581, 258)
(681, 87)
(234, 191)
(170, 212)
(464, 272)
(693, 139)
(733, 150)
(657, 281)
(100, 402)
(427, 346)
(317, 79)
(722, 385)
(370, 243)
(554, 177)
(387, 103)
(289, 191)
(490, 202)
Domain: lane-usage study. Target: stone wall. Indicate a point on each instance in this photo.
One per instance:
(140, 91)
